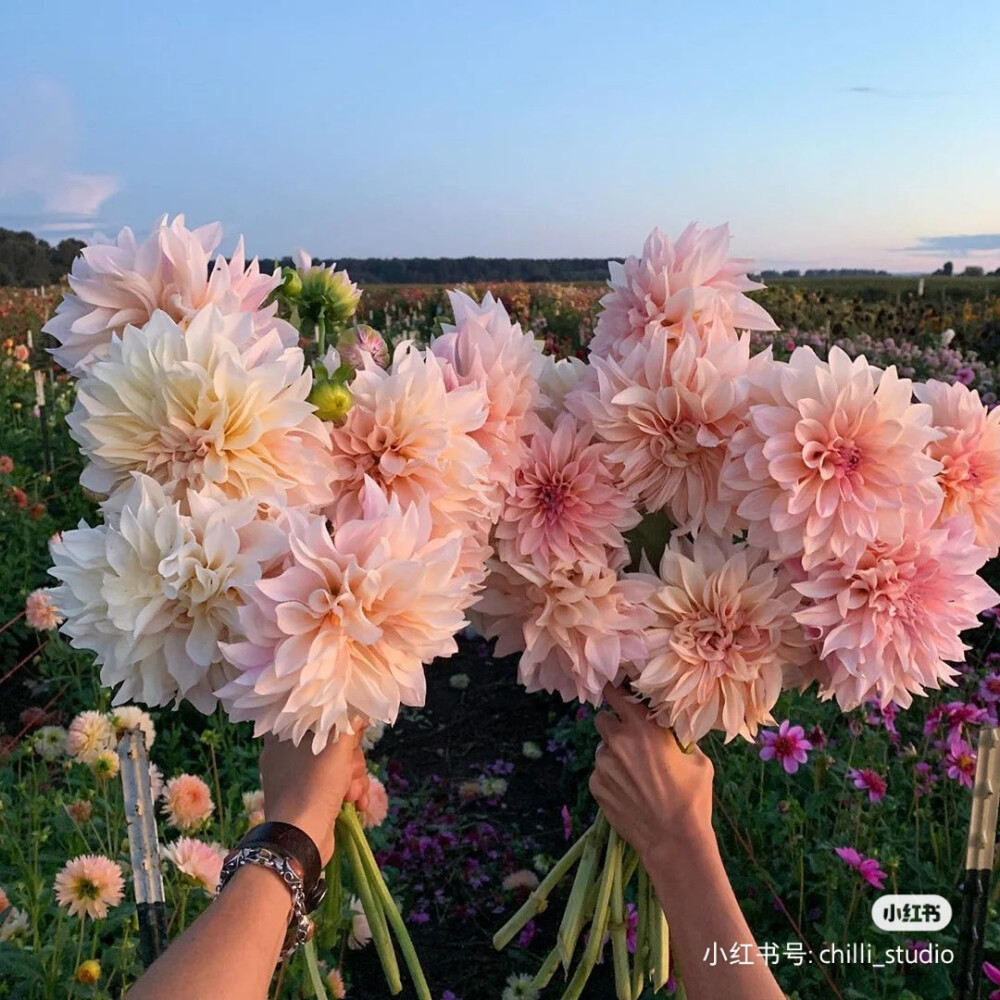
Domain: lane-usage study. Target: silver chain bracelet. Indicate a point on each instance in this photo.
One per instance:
(264, 858)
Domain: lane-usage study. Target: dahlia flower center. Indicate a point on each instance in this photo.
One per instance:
(552, 499)
(86, 889)
(676, 443)
(835, 459)
(965, 763)
(186, 445)
(784, 746)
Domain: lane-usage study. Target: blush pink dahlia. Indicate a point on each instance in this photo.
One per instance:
(345, 629)
(187, 801)
(887, 625)
(200, 861)
(667, 420)
(486, 350)
(89, 733)
(724, 633)
(575, 626)
(123, 283)
(969, 453)
(89, 885)
(832, 455)
(566, 505)
(675, 287)
(787, 744)
(202, 406)
(378, 805)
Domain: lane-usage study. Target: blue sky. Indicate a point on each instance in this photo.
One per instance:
(827, 134)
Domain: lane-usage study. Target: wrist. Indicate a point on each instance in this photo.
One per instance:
(686, 838)
(318, 827)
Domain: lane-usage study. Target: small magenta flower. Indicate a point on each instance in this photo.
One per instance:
(992, 973)
(961, 763)
(788, 744)
(989, 687)
(567, 822)
(867, 868)
(870, 780)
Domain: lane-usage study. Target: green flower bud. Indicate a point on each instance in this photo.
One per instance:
(332, 401)
(292, 284)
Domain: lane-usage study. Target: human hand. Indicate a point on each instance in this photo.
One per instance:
(652, 792)
(308, 790)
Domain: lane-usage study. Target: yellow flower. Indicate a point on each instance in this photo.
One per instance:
(89, 972)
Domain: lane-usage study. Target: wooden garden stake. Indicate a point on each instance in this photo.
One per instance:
(143, 846)
(978, 864)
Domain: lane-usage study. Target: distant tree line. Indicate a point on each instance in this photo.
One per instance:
(27, 261)
(454, 270)
(825, 272)
(947, 269)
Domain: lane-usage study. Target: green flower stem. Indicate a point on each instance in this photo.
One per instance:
(372, 907)
(537, 901)
(353, 825)
(544, 975)
(321, 334)
(659, 950)
(595, 944)
(640, 962)
(313, 966)
(619, 940)
(333, 903)
(573, 917)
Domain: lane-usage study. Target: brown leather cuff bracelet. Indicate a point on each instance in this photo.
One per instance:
(296, 845)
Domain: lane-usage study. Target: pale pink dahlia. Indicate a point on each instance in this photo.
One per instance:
(566, 505)
(887, 625)
(89, 885)
(575, 626)
(123, 283)
(154, 592)
(203, 406)
(831, 457)
(89, 733)
(969, 454)
(412, 436)
(346, 628)
(723, 635)
(486, 350)
(667, 419)
(378, 805)
(188, 801)
(674, 288)
(197, 859)
(40, 612)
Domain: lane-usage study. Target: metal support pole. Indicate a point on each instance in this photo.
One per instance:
(143, 846)
(978, 865)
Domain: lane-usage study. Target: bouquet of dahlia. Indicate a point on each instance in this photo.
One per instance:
(707, 527)
(293, 523)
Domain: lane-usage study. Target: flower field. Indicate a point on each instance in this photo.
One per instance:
(485, 786)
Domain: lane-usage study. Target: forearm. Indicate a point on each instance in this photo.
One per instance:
(230, 951)
(701, 910)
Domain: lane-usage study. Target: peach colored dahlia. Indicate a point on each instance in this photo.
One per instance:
(887, 624)
(723, 634)
(89, 733)
(346, 628)
(832, 455)
(187, 801)
(89, 885)
(667, 418)
(412, 436)
(378, 804)
(486, 350)
(153, 594)
(202, 406)
(565, 505)
(575, 626)
(969, 454)
(197, 859)
(40, 612)
(677, 288)
(123, 283)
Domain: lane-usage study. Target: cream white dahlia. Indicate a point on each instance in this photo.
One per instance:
(209, 405)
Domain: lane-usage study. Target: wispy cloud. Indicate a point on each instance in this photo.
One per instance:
(896, 94)
(40, 183)
(960, 243)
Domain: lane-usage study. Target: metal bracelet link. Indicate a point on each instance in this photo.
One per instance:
(299, 923)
